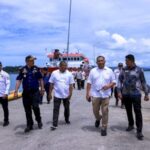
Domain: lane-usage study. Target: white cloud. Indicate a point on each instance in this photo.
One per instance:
(120, 40)
(112, 28)
(102, 33)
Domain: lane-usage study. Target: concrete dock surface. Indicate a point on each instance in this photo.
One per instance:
(81, 134)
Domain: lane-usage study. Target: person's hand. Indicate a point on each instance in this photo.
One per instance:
(50, 96)
(69, 97)
(106, 87)
(5, 96)
(42, 92)
(15, 94)
(119, 95)
(88, 98)
(146, 98)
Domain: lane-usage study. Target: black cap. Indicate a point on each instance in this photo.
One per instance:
(120, 64)
(30, 57)
(0, 63)
(45, 69)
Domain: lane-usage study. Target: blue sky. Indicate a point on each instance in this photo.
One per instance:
(112, 28)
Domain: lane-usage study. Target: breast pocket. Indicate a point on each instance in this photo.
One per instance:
(107, 78)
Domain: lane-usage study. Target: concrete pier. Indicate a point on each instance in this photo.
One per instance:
(81, 134)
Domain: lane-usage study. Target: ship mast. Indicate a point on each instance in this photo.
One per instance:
(68, 38)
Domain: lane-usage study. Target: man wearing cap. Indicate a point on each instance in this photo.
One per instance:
(4, 89)
(117, 73)
(31, 79)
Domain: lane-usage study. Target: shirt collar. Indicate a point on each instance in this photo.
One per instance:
(132, 67)
(105, 68)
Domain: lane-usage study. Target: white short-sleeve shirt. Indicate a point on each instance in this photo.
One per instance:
(99, 78)
(61, 83)
(4, 83)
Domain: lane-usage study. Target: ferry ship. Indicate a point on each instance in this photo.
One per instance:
(74, 60)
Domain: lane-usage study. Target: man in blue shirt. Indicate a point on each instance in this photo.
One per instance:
(46, 77)
(31, 79)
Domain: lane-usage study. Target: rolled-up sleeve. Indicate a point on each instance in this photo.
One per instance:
(89, 80)
(51, 79)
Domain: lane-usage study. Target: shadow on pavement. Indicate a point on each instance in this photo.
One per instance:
(90, 128)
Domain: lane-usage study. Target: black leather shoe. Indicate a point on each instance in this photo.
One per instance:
(129, 128)
(6, 123)
(53, 128)
(67, 122)
(103, 132)
(28, 129)
(140, 136)
(40, 125)
(97, 123)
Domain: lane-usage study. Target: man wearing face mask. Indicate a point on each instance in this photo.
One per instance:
(4, 90)
(31, 79)
(61, 81)
(100, 81)
(131, 82)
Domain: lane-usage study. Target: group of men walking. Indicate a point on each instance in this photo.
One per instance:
(130, 82)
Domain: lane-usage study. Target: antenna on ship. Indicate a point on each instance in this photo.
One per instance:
(68, 39)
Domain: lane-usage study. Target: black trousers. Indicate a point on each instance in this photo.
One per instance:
(31, 101)
(82, 84)
(79, 84)
(4, 103)
(134, 102)
(57, 102)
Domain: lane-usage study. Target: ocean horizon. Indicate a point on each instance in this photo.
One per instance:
(13, 80)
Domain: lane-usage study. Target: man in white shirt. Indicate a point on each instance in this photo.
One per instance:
(61, 81)
(117, 73)
(4, 90)
(79, 78)
(100, 81)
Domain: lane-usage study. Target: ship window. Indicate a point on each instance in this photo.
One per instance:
(59, 59)
(71, 58)
(68, 58)
(75, 58)
(50, 59)
(64, 59)
(78, 58)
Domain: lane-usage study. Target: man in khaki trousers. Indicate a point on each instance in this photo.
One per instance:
(100, 81)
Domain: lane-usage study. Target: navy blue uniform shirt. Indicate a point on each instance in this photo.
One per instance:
(30, 77)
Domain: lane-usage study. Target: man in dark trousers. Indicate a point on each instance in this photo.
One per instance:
(4, 90)
(131, 81)
(61, 81)
(31, 78)
(117, 72)
(46, 77)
